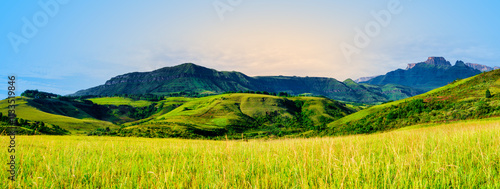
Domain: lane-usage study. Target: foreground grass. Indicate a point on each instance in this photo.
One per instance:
(458, 155)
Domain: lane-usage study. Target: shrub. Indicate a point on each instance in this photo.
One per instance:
(488, 93)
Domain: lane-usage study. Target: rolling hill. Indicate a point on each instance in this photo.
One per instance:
(248, 115)
(461, 100)
(233, 114)
(189, 77)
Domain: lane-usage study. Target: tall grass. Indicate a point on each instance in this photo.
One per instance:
(458, 155)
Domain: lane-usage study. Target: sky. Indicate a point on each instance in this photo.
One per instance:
(62, 46)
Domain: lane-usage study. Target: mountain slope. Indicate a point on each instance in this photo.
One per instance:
(460, 100)
(193, 78)
(433, 73)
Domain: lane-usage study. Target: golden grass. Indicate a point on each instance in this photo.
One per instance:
(458, 155)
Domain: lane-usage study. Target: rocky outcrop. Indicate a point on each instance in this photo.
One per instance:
(411, 65)
(481, 67)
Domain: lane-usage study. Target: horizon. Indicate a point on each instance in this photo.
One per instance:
(65, 46)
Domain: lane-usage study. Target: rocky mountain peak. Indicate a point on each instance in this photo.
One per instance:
(460, 63)
(437, 61)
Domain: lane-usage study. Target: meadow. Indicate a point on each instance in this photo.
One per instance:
(120, 101)
(460, 155)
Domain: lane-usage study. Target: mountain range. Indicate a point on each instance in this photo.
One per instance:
(433, 73)
(417, 78)
(190, 77)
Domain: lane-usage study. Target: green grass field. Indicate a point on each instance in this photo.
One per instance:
(458, 155)
(119, 101)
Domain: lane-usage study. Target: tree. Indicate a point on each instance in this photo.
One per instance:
(22, 122)
(488, 93)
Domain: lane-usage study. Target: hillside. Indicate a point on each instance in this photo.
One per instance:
(236, 115)
(460, 100)
(197, 79)
(433, 73)
(233, 114)
(66, 115)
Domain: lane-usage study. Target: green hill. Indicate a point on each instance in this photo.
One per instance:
(237, 115)
(192, 78)
(55, 112)
(460, 100)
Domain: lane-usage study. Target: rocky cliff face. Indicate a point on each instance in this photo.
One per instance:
(437, 61)
(433, 61)
(411, 65)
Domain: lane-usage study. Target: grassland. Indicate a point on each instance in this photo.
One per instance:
(119, 101)
(458, 155)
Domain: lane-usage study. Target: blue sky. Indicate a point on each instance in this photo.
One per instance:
(72, 45)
